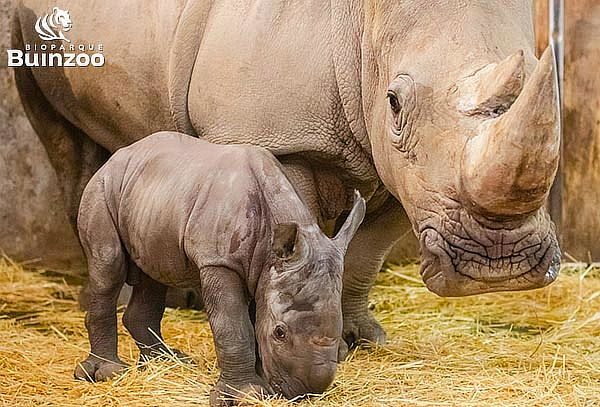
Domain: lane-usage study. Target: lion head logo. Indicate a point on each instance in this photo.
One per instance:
(51, 26)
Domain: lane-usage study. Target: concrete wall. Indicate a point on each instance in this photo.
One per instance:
(33, 221)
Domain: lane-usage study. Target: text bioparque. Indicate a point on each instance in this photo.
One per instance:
(50, 55)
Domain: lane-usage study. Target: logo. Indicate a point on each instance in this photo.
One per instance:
(51, 26)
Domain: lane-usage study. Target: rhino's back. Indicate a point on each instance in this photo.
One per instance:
(128, 97)
(173, 189)
(263, 75)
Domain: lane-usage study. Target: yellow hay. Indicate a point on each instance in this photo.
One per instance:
(539, 348)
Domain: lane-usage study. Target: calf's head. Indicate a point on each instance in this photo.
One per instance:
(298, 305)
(463, 122)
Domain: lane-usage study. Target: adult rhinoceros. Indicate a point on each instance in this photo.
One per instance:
(437, 109)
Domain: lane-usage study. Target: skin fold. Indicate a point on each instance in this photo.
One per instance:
(173, 211)
(436, 111)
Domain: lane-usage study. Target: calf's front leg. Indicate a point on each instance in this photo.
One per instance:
(224, 296)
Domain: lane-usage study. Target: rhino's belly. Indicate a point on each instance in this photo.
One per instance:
(172, 273)
(154, 247)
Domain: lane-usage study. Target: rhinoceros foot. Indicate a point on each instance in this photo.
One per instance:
(226, 394)
(94, 369)
(361, 329)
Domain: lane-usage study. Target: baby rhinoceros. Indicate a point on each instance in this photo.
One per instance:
(175, 211)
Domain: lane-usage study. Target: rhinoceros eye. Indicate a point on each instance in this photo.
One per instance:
(401, 95)
(279, 332)
(393, 100)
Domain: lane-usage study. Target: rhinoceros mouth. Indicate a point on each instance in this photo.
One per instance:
(463, 257)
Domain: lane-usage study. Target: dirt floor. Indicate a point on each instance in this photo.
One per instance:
(538, 348)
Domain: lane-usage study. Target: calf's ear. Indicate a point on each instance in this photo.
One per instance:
(350, 226)
(283, 241)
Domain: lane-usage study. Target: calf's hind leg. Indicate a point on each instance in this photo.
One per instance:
(107, 273)
(143, 316)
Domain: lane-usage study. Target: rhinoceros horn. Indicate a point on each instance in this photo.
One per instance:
(493, 89)
(509, 166)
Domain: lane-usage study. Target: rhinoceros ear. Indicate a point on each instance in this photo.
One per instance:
(350, 226)
(284, 239)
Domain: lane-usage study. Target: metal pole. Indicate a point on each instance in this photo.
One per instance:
(556, 40)
(556, 31)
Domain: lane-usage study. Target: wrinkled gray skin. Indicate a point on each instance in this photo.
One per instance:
(440, 105)
(173, 211)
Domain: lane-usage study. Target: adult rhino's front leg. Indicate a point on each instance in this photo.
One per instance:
(370, 246)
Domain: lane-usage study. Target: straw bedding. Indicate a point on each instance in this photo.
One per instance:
(539, 348)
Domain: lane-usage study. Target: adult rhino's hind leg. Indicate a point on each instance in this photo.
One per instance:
(364, 258)
(143, 316)
(73, 154)
(107, 266)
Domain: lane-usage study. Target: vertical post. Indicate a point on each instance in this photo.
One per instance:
(556, 32)
(556, 40)
(541, 11)
(581, 131)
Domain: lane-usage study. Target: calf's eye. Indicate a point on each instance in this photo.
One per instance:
(279, 332)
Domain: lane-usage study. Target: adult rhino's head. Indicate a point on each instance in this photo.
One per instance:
(298, 306)
(463, 122)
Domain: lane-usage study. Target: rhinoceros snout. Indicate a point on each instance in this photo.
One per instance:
(463, 257)
(318, 378)
(322, 376)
